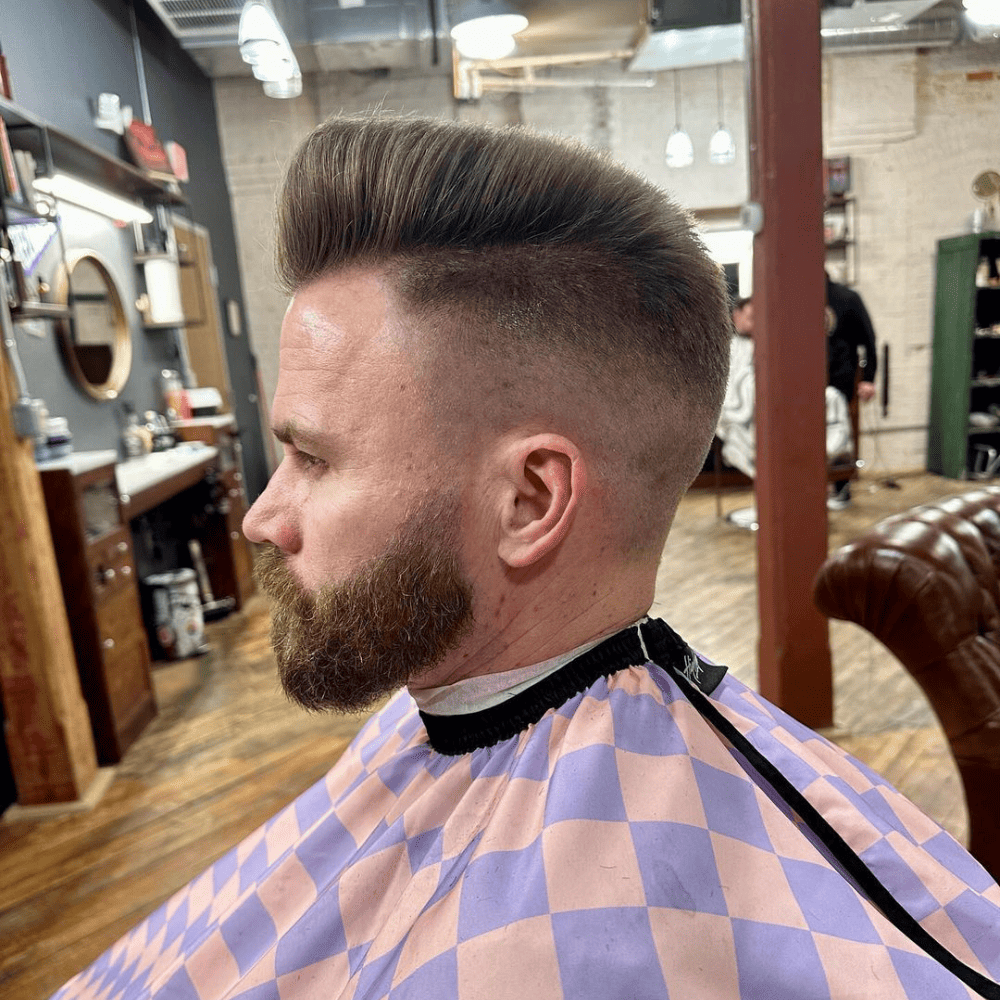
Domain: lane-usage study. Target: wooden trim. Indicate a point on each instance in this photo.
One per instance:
(47, 726)
(786, 174)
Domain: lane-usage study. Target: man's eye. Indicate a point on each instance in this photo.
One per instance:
(307, 461)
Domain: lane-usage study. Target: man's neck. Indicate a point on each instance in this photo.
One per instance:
(538, 630)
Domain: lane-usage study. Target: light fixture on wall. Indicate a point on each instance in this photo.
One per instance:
(264, 45)
(72, 189)
(680, 149)
(485, 29)
(721, 148)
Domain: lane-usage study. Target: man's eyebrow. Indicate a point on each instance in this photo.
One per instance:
(291, 433)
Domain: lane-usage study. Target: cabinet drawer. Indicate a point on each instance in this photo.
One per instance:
(110, 564)
(125, 651)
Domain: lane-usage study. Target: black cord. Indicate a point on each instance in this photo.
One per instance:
(838, 847)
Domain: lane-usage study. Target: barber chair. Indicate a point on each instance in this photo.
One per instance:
(925, 584)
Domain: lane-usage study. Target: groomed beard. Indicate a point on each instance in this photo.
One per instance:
(391, 620)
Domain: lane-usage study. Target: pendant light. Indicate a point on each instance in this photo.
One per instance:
(680, 149)
(721, 148)
(485, 29)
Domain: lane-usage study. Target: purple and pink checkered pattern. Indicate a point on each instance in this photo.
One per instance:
(615, 849)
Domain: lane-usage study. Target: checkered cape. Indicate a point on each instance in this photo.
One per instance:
(615, 849)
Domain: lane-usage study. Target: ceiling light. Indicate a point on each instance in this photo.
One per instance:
(680, 149)
(721, 148)
(290, 87)
(72, 189)
(264, 45)
(984, 13)
(485, 29)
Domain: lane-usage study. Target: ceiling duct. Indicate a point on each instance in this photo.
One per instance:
(879, 24)
(890, 24)
(325, 35)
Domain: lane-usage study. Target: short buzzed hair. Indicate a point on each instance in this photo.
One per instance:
(571, 290)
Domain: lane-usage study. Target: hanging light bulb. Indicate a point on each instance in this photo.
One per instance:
(485, 29)
(984, 13)
(721, 147)
(680, 149)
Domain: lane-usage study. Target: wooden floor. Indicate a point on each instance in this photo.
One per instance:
(227, 750)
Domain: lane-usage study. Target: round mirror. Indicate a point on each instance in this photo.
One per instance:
(95, 339)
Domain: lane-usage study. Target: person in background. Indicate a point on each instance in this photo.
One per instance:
(736, 427)
(501, 368)
(849, 332)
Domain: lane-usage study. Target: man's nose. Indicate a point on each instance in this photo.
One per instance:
(273, 518)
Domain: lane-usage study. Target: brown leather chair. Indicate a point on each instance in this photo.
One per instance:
(925, 583)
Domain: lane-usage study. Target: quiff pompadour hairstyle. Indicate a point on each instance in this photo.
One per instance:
(573, 286)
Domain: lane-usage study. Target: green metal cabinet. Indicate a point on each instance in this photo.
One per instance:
(965, 374)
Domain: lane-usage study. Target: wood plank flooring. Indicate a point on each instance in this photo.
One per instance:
(227, 750)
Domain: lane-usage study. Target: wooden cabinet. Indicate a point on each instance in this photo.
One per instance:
(93, 548)
(228, 555)
(964, 432)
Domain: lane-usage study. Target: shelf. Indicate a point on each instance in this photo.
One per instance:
(975, 431)
(985, 383)
(838, 244)
(165, 326)
(142, 258)
(19, 208)
(29, 132)
(40, 310)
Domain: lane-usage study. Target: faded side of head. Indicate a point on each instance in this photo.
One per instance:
(553, 288)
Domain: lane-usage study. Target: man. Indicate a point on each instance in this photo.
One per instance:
(849, 332)
(501, 367)
(736, 427)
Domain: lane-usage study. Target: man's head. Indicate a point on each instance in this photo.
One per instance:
(507, 319)
(743, 317)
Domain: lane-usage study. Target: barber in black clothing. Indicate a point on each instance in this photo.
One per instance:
(848, 328)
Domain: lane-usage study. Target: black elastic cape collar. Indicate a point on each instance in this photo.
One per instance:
(458, 734)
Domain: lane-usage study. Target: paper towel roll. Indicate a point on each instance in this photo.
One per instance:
(163, 286)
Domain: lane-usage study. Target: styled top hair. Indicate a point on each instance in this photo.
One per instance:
(571, 286)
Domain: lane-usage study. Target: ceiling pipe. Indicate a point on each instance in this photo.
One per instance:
(931, 33)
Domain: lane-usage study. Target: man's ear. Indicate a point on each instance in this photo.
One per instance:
(544, 479)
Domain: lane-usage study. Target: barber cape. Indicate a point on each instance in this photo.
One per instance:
(632, 826)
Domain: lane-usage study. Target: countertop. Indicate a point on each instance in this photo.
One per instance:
(139, 474)
(79, 462)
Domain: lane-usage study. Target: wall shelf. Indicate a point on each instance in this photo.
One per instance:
(50, 145)
(40, 310)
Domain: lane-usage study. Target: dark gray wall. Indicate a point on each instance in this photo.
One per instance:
(61, 54)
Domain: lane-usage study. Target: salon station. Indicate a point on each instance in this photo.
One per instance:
(133, 422)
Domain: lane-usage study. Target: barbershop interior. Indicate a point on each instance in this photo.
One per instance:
(143, 141)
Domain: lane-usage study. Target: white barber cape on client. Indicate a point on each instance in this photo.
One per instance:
(636, 824)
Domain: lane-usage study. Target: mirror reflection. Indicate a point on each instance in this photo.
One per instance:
(95, 339)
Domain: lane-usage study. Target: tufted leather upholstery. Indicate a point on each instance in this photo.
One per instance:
(925, 583)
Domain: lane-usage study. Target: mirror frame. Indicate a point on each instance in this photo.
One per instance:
(121, 361)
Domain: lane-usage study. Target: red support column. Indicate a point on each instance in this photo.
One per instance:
(790, 354)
